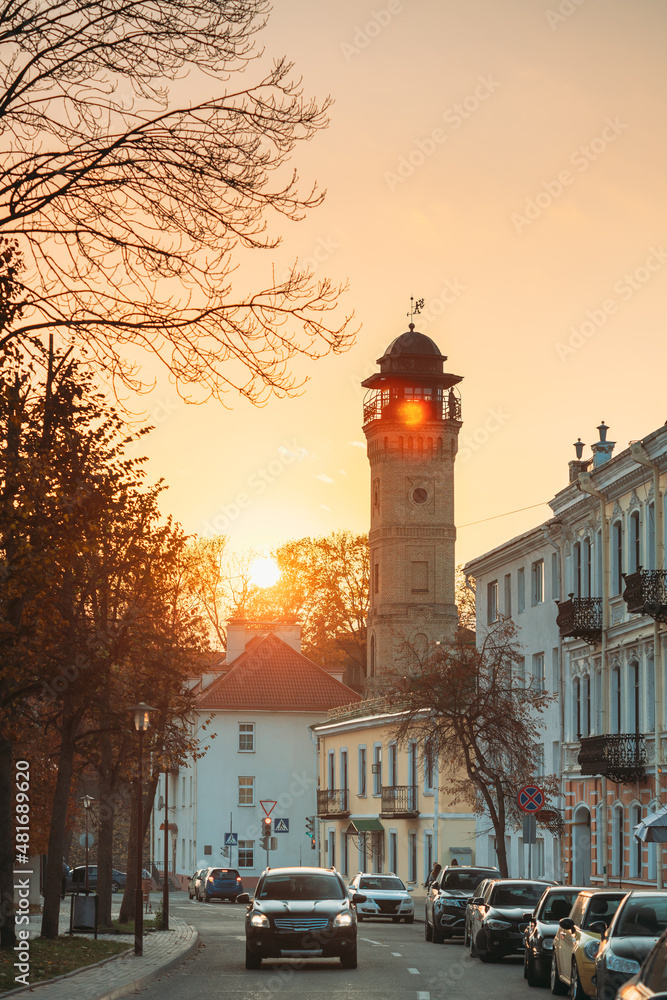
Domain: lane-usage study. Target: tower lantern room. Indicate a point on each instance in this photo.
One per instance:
(412, 419)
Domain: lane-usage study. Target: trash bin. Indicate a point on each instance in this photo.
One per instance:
(83, 912)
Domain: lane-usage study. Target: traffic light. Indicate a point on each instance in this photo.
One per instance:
(310, 830)
(266, 826)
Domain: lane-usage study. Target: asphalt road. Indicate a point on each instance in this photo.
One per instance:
(394, 962)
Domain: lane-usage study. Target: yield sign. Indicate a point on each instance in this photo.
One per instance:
(531, 798)
(267, 802)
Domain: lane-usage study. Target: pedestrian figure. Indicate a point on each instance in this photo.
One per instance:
(433, 874)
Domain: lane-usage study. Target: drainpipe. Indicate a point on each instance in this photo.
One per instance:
(560, 679)
(640, 455)
(586, 486)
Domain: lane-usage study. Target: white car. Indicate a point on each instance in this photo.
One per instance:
(386, 896)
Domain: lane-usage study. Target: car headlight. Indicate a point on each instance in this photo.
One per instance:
(547, 944)
(498, 925)
(591, 949)
(259, 920)
(617, 964)
(343, 919)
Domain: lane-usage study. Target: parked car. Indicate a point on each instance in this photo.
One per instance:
(634, 930)
(76, 880)
(195, 882)
(578, 939)
(650, 983)
(447, 898)
(555, 903)
(496, 920)
(301, 913)
(386, 896)
(219, 883)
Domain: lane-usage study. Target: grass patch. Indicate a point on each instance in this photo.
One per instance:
(49, 959)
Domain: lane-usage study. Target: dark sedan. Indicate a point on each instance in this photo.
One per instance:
(447, 898)
(638, 923)
(76, 880)
(496, 921)
(650, 983)
(542, 928)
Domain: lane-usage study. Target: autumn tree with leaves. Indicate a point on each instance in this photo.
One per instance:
(472, 707)
(145, 161)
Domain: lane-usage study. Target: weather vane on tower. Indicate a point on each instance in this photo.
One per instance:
(415, 307)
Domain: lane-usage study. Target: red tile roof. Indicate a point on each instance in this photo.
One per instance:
(272, 677)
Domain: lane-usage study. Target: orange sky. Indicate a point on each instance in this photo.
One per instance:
(504, 160)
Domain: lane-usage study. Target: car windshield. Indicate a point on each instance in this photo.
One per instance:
(517, 894)
(558, 905)
(381, 883)
(294, 887)
(601, 908)
(224, 873)
(645, 916)
(462, 880)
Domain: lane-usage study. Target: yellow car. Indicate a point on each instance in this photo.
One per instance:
(578, 939)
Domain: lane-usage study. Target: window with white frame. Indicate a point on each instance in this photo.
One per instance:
(650, 536)
(507, 606)
(616, 716)
(538, 671)
(586, 569)
(377, 769)
(362, 770)
(428, 852)
(634, 697)
(393, 851)
(576, 708)
(392, 764)
(616, 558)
(650, 692)
(617, 832)
(246, 857)
(576, 569)
(555, 581)
(634, 543)
(585, 705)
(429, 767)
(537, 582)
(246, 790)
(492, 602)
(412, 856)
(599, 834)
(635, 844)
(555, 668)
(246, 737)
(521, 590)
(331, 770)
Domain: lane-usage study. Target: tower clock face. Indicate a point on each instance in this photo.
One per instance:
(420, 495)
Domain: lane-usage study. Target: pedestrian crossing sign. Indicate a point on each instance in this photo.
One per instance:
(231, 840)
(281, 825)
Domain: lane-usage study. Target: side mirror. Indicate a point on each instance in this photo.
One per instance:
(477, 900)
(566, 923)
(529, 917)
(358, 897)
(410, 888)
(599, 927)
(243, 897)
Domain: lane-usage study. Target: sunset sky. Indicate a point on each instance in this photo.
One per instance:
(505, 160)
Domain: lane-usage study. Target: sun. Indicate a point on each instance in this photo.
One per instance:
(264, 572)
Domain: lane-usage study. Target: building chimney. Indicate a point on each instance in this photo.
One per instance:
(578, 465)
(241, 631)
(602, 449)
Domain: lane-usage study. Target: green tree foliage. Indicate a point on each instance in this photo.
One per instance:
(473, 708)
(141, 166)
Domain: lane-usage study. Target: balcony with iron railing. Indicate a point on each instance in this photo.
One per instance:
(617, 756)
(333, 802)
(646, 593)
(580, 618)
(405, 405)
(399, 800)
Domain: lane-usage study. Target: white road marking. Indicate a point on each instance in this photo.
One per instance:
(414, 972)
(380, 944)
(397, 954)
(423, 995)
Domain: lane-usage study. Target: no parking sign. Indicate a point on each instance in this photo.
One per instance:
(530, 798)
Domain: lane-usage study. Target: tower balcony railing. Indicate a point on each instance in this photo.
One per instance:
(580, 618)
(399, 800)
(382, 403)
(646, 593)
(333, 802)
(617, 756)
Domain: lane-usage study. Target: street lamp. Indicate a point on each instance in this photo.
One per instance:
(87, 801)
(141, 714)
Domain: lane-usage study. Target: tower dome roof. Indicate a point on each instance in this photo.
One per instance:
(412, 342)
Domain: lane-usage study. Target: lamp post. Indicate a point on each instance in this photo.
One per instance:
(87, 801)
(141, 714)
(165, 884)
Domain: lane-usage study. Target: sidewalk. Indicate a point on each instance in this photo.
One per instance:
(122, 974)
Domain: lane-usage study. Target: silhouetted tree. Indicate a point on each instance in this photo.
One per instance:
(139, 166)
